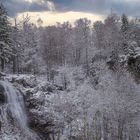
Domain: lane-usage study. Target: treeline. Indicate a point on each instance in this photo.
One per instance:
(27, 48)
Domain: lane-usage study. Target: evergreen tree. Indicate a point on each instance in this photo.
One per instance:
(125, 33)
(125, 23)
(16, 36)
(29, 45)
(5, 42)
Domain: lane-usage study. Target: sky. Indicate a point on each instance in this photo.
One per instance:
(53, 11)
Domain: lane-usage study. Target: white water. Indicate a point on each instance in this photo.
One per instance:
(15, 104)
(14, 109)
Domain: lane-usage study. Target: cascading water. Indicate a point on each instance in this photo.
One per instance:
(15, 104)
(13, 118)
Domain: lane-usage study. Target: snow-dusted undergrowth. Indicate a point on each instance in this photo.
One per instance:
(76, 107)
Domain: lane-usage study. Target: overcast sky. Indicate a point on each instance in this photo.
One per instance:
(63, 10)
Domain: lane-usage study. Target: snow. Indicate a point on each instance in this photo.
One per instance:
(76, 81)
(68, 107)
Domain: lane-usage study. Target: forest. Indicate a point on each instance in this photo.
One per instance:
(70, 81)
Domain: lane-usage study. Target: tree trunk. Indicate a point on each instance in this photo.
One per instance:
(2, 64)
(14, 65)
(18, 70)
(87, 63)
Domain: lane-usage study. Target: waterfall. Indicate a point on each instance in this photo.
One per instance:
(15, 104)
(14, 109)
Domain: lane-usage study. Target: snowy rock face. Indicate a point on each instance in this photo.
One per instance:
(13, 118)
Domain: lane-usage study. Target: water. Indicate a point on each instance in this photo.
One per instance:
(15, 104)
(13, 117)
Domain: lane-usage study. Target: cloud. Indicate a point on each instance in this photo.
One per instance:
(51, 5)
(36, 1)
(130, 7)
(34, 7)
(99, 7)
(15, 6)
(51, 18)
(18, 6)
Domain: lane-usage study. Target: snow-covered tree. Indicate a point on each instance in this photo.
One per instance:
(29, 45)
(83, 42)
(98, 27)
(125, 33)
(125, 23)
(5, 41)
(111, 32)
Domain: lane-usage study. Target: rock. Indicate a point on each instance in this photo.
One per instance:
(24, 80)
(2, 96)
(131, 61)
(41, 124)
(49, 89)
(2, 74)
(60, 88)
